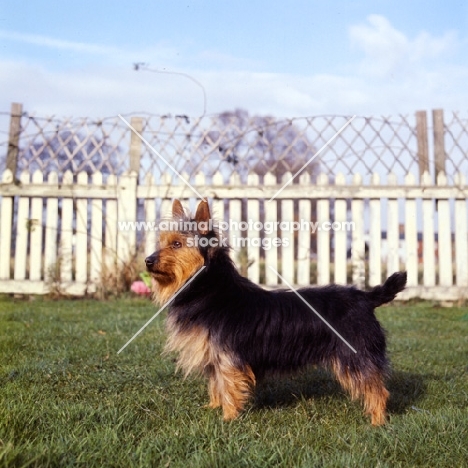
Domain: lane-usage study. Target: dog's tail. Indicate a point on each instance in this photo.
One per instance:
(387, 291)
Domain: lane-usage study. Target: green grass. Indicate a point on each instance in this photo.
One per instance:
(67, 398)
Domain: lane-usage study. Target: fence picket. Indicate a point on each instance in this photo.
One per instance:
(50, 237)
(271, 216)
(166, 203)
(218, 206)
(111, 228)
(411, 236)
(393, 230)
(253, 216)
(185, 200)
(95, 271)
(304, 238)
(218, 203)
(81, 238)
(375, 236)
(445, 237)
(22, 232)
(429, 271)
(235, 213)
(323, 236)
(461, 251)
(358, 247)
(35, 245)
(287, 248)
(126, 212)
(150, 217)
(66, 234)
(340, 235)
(200, 184)
(6, 219)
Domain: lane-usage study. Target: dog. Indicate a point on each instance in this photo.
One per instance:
(235, 333)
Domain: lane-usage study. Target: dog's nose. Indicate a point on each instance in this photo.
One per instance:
(151, 260)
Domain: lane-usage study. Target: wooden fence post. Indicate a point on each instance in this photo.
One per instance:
(126, 213)
(439, 146)
(421, 135)
(127, 197)
(13, 139)
(135, 144)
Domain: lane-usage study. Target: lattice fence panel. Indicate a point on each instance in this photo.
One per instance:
(237, 142)
(78, 144)
(456, 143)
(233, 142)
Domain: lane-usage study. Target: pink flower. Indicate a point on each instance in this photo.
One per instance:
(140, 288)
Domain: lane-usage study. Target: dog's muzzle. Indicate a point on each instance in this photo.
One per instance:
(151, 261)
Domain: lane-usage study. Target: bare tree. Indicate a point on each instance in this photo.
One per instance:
(68, 150)
(261, 144)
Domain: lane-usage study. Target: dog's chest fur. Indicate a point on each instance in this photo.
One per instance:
(193, 346)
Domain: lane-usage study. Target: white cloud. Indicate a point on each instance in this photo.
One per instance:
(52, 43)
(383, 46)
(427, 46)
(388, 51)
(160, 54)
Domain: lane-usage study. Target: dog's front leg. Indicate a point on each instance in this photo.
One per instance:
(230, 386)
(213, 390)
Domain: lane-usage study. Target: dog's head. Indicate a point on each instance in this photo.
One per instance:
(183, 248)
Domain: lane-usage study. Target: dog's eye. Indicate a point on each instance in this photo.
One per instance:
(176, 245)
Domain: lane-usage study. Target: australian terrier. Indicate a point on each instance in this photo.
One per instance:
(234, 332)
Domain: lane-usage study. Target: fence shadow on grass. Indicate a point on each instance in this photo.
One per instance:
(406, 389)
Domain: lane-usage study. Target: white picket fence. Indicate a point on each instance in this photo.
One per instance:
(75, 223)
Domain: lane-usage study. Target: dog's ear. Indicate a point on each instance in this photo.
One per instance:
(202, 217)
(177, 209)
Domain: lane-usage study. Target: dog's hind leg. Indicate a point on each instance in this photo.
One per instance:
(375, 399)
(368, 386)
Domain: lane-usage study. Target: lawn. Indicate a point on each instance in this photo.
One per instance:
(68, 399)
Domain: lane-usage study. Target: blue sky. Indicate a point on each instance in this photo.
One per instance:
(291, 58)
